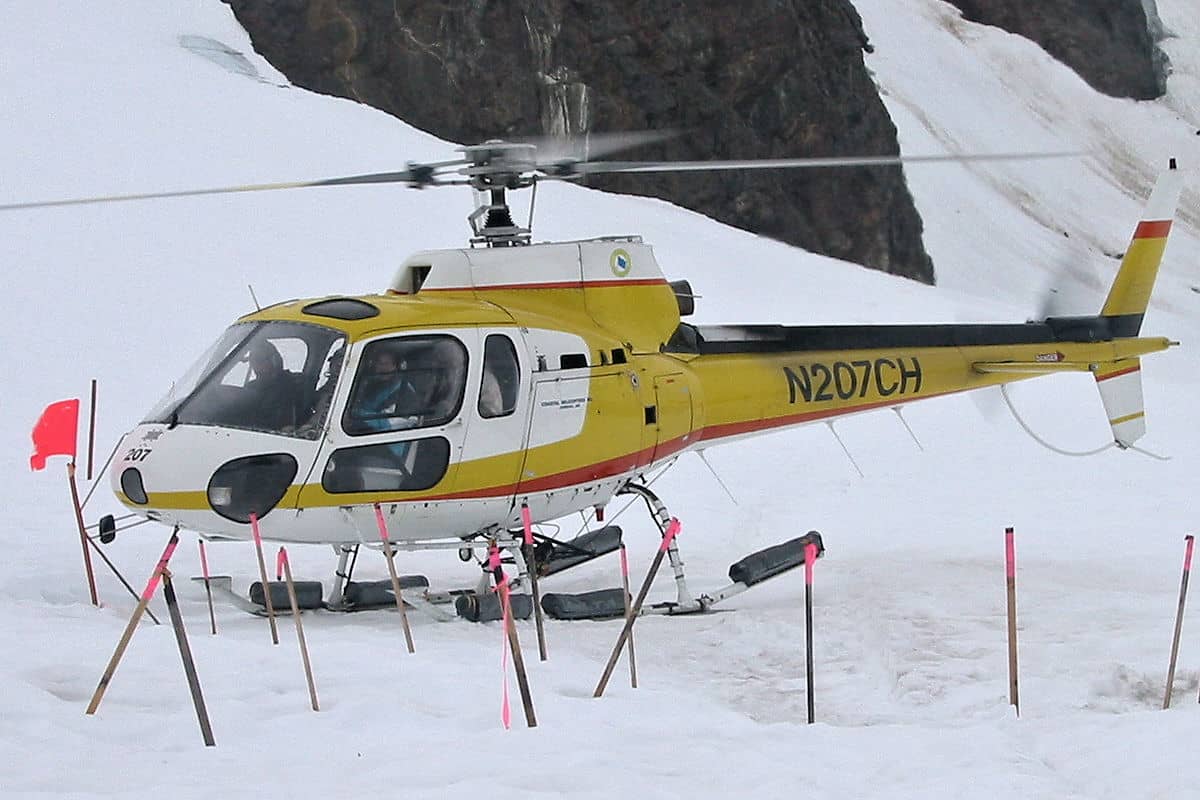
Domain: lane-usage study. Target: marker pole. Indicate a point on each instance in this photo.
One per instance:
(262, 573)
(531, 566)
(147, 593)
(291, 587)
(1010, 559)
(810, 557)
(628, 601)
(83, 537)
(185, 653)
(514, 642)
(212, 617)
(387, 552)
(668, 536)
(1187, 569)
(91, 430)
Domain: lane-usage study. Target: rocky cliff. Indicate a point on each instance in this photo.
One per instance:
(759, 78)
(1110, 43)
(752, 79)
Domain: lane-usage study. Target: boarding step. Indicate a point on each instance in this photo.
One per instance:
(486, 607)
(560, 556)
(309, 595)
(600, 604)
(758, 567)
(366, 595)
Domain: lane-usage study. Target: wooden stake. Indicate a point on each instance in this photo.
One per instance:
(291, 587)
(628, 602)
(91, 430)
(185, 653)
(1187, 568)
(668, 535)
(262, 571)
(531, 566)
(387, 552)
(1010, 559)
(147, 593)
(514, 642)
(810, 557)
(83, 537)
(212, 617)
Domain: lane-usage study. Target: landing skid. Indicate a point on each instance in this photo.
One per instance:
(480, 604)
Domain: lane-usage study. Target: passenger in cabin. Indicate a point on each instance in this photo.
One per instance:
(386, 394)
(445, 379)
(491, 400)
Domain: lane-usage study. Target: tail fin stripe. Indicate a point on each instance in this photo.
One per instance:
(1152, 229)
(1118, 373)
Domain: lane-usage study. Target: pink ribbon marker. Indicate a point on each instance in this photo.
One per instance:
(383, 534)
(1187, 556)
(527, 520)
(280, 557)
(203, 560)
(810, 559)
(254, 529)
(1010, 554)
(670, 534)
(624, 562)
(155, 576)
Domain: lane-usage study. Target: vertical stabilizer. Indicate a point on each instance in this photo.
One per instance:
(1130, 293)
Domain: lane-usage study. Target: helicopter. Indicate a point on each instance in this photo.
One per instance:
(510, 383)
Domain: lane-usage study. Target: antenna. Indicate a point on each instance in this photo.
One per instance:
(257, 307)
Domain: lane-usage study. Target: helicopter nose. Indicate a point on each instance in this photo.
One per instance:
(251, 485)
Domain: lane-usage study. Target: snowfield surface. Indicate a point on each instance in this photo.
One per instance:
(911, 665)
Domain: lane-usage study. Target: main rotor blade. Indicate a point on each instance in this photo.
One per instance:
(416, 174)
(599, 167)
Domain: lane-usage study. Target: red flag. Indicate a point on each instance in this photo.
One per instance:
(55, 433)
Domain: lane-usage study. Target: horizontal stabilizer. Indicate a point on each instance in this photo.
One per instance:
(1033, 367)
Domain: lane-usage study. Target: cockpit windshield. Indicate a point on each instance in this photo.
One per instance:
(274, 377)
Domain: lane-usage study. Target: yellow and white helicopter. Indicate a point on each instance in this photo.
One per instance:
(509, 375)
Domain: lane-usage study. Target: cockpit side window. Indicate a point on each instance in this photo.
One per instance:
(501, 377)
(406, 382)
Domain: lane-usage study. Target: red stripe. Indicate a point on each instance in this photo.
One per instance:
(1148, 229)
(1125, 371)
(550, 285)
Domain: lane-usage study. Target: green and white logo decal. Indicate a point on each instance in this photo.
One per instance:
(620, 262)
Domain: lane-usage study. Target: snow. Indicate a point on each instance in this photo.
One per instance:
(911, 682)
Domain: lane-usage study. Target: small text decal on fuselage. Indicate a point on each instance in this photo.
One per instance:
(882, 377)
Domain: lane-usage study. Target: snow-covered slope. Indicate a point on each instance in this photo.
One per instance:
(911, 666)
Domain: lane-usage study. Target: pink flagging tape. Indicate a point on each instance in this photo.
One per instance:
(1187, 556)
(1010, 554)
(254, 529)
(203, 560)
(810, 558)
(527, 521)
(671, 532)
(494, 558)
(155, 576)
(280, 557)
(505, 708)
(624, 562)
(383, 534)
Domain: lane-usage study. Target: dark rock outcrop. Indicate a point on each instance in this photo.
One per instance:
(1109, 43)
(752, 79)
